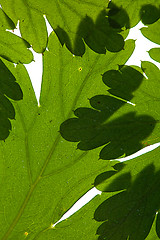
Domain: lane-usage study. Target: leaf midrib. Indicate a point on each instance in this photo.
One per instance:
(55, 143)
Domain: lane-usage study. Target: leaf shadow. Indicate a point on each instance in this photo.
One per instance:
(149, 14)
(131, 212)
(101, 35)
(9, 89)
(95, 127)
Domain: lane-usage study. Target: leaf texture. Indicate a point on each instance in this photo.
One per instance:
(132, 211)
(76, 22)
(131, 12)
(120, 127)
(9, 89)
(31, 22)
(43, 184)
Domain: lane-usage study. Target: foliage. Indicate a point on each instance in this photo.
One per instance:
(92, 108)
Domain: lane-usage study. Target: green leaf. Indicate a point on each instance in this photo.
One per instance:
(80, 226)
(155, 54)
(8, 88)
(152, 32)
(31, 22)
(131, 12)
(131, 212)
(37, 162)
(6, 22)
(77, 21)
(14, 48)
(113, 123)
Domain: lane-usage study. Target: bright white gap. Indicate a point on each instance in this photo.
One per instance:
(140, 152)
(143, 45)
(79, 204)
(35, 72)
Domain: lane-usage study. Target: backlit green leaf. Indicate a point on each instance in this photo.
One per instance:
(131, 212)
(46, 173)
(131, 12)
(31, 22)
(152, 32)
(8, 89)
(155, 54)
(5, 21)
(77, 21)
(121, 128)
(14, 48)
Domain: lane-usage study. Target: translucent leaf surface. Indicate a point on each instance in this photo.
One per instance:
(5, 21)
(80, 226)
(43, 175)
(8, 89)
(14, 48)
(131, 212)
(77, 21)
(31, 22)
(152, 32)
(128, 212)
(155, 54)
(123, 128)
(145, 10)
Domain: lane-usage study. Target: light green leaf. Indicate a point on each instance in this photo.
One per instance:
(131, 212)
(155, 54)
(31, 22)
(120, 128)
(131, 12)
(8, 89)
(5, 21)
(152, 32)
(77, 21)
(14, 48)
(38, 164)
(80, 226)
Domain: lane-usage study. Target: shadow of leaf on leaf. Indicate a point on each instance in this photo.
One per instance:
(99, 35)
(122, 133)
(149, 14)
(9, 89)
(131, 212)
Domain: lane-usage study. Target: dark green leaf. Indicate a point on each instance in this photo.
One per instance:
(131, 212)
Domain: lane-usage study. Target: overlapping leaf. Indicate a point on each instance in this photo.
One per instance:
(122, 128)
(127, 208)
(8, 88)
(152, 32)
(31, 22)
(5, 21)
(77, 21)
(14, 48)
(131, 212)
(145, 10)
(37, 181)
